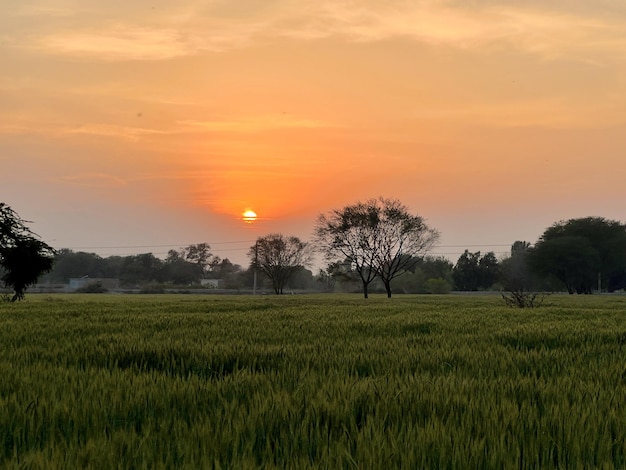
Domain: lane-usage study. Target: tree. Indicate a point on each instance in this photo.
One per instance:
(180, 271)
(326, 278)
(466, 273)
(515, 273)
(582, 253)
(140, 269)
(379, 237)
(488, 269)
(279, 257)
(23, 257)
(473, 272)
(68, 264)
(201, 255)
(517, 279)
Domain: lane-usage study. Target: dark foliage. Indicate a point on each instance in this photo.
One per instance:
(23, 258)
(582, 253)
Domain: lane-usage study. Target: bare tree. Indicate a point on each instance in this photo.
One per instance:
(350, 233)
(279, 257)
(380, 238)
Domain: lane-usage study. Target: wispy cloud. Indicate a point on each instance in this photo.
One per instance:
(531, 29)
(119, 43)
(109, 130)
(192, 29)
(42, 11)
(254, 124)
(98, 180)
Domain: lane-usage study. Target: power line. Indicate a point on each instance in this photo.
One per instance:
(126, 247)
(223, 249)
(252, 241)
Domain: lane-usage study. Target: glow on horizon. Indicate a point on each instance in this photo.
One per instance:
(144, 122)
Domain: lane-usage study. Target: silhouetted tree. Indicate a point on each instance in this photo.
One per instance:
(178, 270)
(279, 257)
(23, 257)
(515, 274)
(201, 255)
(579, 251)
(488, 267)
(473, 272)
(517, 279)
(70, 264)
(436, 268)
(379, 237)
(141, 269)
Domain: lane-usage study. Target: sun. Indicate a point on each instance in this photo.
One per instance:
(249, 216)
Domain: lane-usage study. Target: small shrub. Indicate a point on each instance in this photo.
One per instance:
(523, 299)
(438, 286)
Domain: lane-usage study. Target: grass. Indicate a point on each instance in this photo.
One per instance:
(330, 381)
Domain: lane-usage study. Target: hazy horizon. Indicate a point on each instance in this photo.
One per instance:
(154, 125)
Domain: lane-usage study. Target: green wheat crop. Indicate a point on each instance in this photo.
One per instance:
(327, 381)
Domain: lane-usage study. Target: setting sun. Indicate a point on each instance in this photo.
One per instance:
(249, 216)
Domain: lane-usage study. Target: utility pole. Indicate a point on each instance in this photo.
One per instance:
(256, 262)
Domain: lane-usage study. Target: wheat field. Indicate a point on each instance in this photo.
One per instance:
(312, 381)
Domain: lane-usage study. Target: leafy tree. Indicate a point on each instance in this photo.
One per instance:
(23, 257)
(201, 255)
(379, 237)
(302, 279)
(326, 278)
(425, 276)
(466, 273)
(517, 279)
(579, 251)
(279, 257)
(515, 274)
(438, 286)
(178, 270)
(69, 264)
(141, 269)
(473, 272)
(488, 268)
(436, 268)
(228, 272)
(340, 274)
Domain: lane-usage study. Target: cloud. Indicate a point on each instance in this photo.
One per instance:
(531, 29)
(120, 43)
(99, 180)
(194, 28)
(42, 10)
(108, 130)
(254, 124)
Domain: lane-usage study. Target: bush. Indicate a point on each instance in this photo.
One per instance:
(438, 286)
(93, 288)
(523, 299)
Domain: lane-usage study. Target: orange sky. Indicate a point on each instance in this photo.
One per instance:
(155, 124)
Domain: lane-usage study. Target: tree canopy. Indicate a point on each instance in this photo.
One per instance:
(380, 238)
(582, 253)
(23, 257)
(474, 272)
(279, 257)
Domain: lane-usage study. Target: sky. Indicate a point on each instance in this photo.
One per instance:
(141, 126)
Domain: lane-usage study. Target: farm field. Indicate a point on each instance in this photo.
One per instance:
(312, 381)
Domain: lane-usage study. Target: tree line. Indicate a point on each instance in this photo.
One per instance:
(367, 246)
